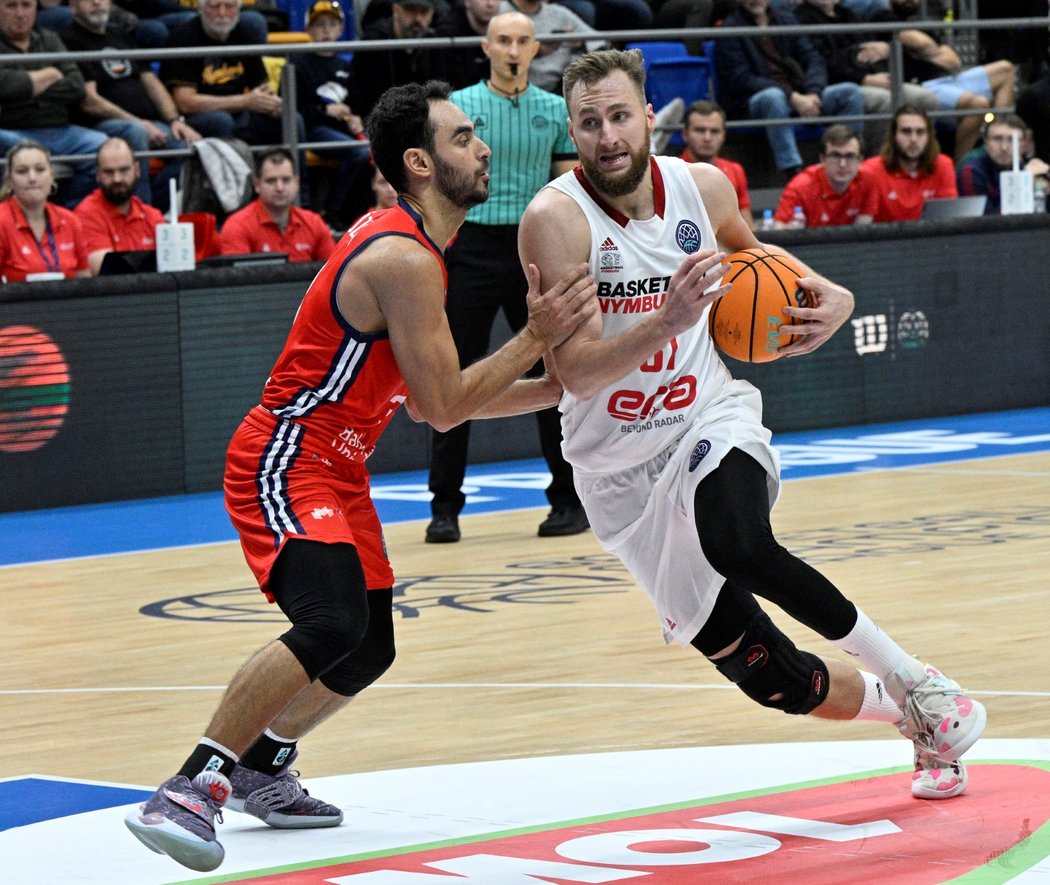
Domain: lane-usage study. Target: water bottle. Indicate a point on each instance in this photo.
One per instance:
(1039, 196)
(767, 220)
(798, 219)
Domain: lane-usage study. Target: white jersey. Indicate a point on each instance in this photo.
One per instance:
(643, 413)
(642, 445)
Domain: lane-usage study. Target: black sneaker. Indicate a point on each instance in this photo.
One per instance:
(443, 530)
(564, 521)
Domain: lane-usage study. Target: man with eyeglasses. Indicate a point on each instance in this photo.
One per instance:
(833, 191)
(910, 169)
(979, 173)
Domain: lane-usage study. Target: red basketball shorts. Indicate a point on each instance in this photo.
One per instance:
(275, 490)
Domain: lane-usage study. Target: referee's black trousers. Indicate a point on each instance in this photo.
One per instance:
(485, 276)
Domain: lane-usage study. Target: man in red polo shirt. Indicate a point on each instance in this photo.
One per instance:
(112, 217)
(704, 133)
(911, 168)
(273, 223)
(833, 191)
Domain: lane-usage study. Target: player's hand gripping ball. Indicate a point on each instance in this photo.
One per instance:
(745, 322)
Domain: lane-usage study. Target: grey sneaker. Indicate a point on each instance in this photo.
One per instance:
(178, 820)
(279, 800)
(940, 718)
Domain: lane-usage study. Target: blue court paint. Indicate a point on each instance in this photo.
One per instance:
(29, 800)
(121, 527)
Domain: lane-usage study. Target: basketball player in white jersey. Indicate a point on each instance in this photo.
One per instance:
(671, 460)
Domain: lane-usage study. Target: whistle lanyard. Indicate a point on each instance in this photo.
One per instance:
(51, 263)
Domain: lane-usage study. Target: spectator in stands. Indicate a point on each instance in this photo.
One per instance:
(125, 97)
(38, 99)
(937, 67)
(681, 14)
(776, 76)
(222, 95)
(469, 19)
(911, 168)
(979, 174)
(273, 223)
(551, 18)
(704, 133)
(612, 15)
(375, 72)
(858, 58)
(834, 191)
(1033, 106)
(866, 8)
(36, 236)
(112, 217)
(326, 98)
(146, 32)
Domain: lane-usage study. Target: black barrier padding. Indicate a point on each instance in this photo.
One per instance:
(951, 318)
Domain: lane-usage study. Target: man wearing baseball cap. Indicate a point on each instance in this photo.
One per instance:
(328, 101)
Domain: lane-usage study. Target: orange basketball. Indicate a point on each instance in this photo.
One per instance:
(745, 322)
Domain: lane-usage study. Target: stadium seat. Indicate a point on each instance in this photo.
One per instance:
(687, 78)
(659, 50)
(670, 73)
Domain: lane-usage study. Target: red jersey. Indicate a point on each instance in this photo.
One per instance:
(811, 190)
(251, 229)
(295, 466)
(902, 194)
(60, 251)
(107, 228)
(341, 385)
(733, 171)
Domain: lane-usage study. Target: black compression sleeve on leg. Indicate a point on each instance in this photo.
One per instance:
(732, 518)
(321, 588)
(373, 657)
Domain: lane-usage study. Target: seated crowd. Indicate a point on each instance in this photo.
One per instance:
(112, 115)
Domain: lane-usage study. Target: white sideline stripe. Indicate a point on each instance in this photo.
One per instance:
(650, 686)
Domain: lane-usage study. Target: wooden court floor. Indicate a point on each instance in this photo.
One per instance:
(511, 645)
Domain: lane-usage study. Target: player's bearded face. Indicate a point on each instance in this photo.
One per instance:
(461, 187)
(621, 182)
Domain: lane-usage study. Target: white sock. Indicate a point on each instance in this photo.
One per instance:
(880, 654)
(877, 705)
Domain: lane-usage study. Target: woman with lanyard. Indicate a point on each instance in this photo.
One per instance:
(38, 240)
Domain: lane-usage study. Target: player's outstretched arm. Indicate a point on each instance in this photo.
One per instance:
(554, 236)
(404, 282)
(834, 306)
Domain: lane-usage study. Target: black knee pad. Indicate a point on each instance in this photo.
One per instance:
(768, 663)
(373, 657)
(321, 588)
(357, 671)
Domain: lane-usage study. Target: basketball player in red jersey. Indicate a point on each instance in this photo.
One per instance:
(672, 463)
(370, 335)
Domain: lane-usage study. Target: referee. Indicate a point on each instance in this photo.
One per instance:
(527, 129)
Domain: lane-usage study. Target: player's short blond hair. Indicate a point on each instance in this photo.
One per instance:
(595, 66)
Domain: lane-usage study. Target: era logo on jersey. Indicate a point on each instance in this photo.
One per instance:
(636, 405)
(687, 236)
(322, 512)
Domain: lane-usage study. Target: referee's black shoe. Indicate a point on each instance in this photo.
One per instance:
(560, 521)
(443, 529)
